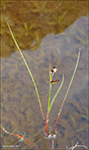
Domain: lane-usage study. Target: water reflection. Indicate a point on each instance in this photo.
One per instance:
(20, 108)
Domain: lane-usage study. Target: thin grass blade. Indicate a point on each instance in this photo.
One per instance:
(56, 93)
(67, 90)
(28, 71)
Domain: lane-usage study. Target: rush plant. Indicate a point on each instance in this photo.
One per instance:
(52, 81)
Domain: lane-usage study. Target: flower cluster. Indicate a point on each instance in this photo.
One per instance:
(54, 70)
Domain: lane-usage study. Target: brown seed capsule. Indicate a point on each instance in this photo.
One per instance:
(54, 81)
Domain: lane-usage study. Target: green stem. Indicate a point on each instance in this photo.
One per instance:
(28, 71)
(67, 91)
(47, 118)
(56, 93)
(50, 86)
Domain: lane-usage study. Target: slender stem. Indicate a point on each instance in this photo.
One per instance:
(56, 93)
(28, 71)
(52, 144)
(50, 105)
(50, 87)
(17, 136)
(47, 121)
(67, 90)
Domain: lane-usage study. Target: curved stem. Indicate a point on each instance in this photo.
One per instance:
(18, 136)
(67, 90)
(28, 71)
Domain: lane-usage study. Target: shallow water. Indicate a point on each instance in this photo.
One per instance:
(20, 108)
(32, 21)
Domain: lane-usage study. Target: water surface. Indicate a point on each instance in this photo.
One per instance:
(20, 107)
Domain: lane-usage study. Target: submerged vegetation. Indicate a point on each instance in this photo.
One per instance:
(32, 19)
(48, 133)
